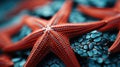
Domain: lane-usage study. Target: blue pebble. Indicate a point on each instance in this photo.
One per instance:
(97, 39)
(95, 51)
(105, 36)
(88, 36)
(107, 61)
(54, 65)
(90, 53)
(100, 60)
(104, 56)
(16, 59)
(91, 46)
(84, 54)
(76, 43)
(80, 39)
(93, 35)
(22, 63)
(85, 47)
(80, 52)
(112, 38)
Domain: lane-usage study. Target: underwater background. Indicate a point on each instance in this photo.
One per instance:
(91, 48)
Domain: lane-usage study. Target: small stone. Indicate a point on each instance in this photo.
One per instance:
(94, 31)
(112, 38)
(99, 60)
(15, 59)
(85, 47)
(98, 34)
(93, 35)
(83, 43)
(80, 52)
(104, 56)
(84, 54)
(90, 53)
(54, 65)
(91, 46)
(105, 36)
(97, 39)
(95, 51)
(76, 44)
(80, 40)
(22, 63)
(84, 50)
(88, 36)
(107, 61)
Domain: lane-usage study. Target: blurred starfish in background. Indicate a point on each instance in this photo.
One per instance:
(5, 61)
(26, 5)
(53, 36)
(100, 13)
(112, 17)
(5, 34)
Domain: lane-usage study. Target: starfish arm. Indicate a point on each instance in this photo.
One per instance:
(72, 30)
(112, 23)
(38, 52)
(34, 23)
(117, 5)
(100, 13)
(12, 29)
(25, 43)
(63, 14)
(61, 47)
(4, 40)
(5, 61)
(116, 45)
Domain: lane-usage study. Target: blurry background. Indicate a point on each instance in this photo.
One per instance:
(94, 54)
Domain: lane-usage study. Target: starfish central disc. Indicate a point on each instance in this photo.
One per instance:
(47, 28)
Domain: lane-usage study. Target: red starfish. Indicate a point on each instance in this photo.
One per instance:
(100, 13)
(113, 23)
(29, 5)
(5, 34)
(5, 61)
(53, 36)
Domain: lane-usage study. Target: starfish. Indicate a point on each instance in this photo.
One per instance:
(5, 35)
(100, 13)
(5, 61)
(22, 6)
(53, 36)
(112, 17)
(113, 23)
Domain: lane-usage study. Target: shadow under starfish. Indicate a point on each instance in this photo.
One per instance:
(108, 14)
(53, 36)
(5, 39)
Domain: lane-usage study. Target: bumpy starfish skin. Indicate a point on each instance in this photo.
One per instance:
(113, 23)
(53, 36)
(100, 13)
(5, 35)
